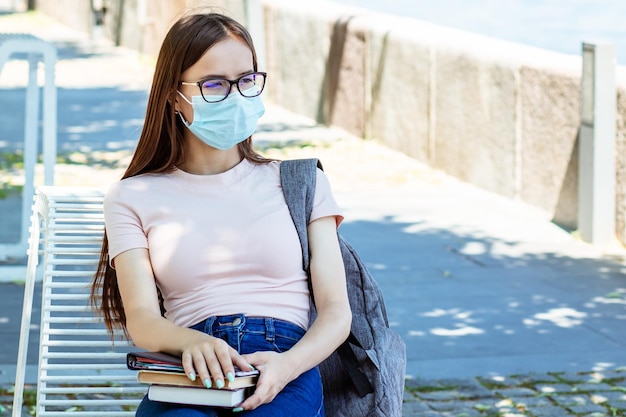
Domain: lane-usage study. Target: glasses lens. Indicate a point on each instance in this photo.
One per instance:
(251, 85)
(215, 90)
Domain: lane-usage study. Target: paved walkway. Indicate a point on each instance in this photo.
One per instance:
(503, 312)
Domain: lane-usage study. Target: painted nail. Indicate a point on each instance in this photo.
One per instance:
(192, 376)
(230, 377)
(237, 410)
(252, 368)
(219, 383)
(207, 383)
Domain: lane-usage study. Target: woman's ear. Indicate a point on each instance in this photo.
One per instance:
(174, 100)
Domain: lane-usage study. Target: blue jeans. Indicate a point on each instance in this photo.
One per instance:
(302, 397)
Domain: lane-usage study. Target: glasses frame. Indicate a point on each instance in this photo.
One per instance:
(231, 82)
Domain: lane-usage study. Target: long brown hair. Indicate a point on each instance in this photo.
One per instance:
(160, 146)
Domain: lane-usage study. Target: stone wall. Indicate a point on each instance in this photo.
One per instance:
(500, 115)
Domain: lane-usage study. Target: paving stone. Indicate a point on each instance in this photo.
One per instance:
(498, 381)
(470, 388)
(498, 407)
(447, 405)
(613, 375)
(612, 378)
(431, 414)
(553, 411)
(467, 412)
(572, 400)
(419, 383)
(515, 392)
(554, 388)
(450, 395)
(458, 413)
(408, 396)
(536, 378)
(593, 387)
(577, 377)
(415, 407)
(588, 409)
(601, 397)
(619, 405)
(461, 383)
(417, 413)
(536, 401)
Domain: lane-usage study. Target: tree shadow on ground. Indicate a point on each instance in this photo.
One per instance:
(448, 302)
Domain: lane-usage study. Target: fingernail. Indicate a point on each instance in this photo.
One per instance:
(219, 383)
(192, 376)
(231, 377)
(237, 410)
(207, 383)
(252, 368)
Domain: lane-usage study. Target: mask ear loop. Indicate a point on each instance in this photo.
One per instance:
(180, 114)
(184, 98)
(182, 118)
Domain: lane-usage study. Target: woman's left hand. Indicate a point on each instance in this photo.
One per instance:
(275, 373)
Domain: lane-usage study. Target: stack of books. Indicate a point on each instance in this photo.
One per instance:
(168, 382)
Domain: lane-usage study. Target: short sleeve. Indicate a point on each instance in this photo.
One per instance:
(122, 223)
(324, 203)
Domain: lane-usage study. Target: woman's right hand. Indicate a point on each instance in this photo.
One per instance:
(212, 360)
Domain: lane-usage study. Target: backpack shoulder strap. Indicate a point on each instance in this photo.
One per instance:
(298, 179)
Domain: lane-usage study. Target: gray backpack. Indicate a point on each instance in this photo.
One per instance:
(364, 377)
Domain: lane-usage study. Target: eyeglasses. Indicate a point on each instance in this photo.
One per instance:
(217, 89)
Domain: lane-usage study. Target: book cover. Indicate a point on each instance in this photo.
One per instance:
(242, 379)
(156, 361)
(198, 396)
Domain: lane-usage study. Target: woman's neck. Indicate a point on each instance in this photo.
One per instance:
(200, 159)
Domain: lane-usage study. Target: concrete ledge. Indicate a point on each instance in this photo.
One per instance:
(501, 115)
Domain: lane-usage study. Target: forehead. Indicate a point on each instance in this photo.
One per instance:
(228, 58)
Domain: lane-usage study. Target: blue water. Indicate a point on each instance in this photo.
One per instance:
(558, 25)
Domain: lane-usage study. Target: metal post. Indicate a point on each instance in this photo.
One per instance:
(596, 175)
(49, 128)
(31, 127)
(37, 51)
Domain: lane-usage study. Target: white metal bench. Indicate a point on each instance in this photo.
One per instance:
(80, 372)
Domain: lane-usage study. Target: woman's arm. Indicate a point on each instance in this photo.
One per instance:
(330, 328)
(202, 355)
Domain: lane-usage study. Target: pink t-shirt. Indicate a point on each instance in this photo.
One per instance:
(219, 244)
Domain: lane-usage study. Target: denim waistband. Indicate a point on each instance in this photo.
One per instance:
(268, 325)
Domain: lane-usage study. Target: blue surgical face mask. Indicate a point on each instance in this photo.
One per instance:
(224, 124)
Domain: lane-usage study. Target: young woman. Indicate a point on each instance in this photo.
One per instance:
(199, 222)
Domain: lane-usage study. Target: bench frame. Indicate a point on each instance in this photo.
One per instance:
(81, 372)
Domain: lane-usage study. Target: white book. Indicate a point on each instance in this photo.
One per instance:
(198, 396)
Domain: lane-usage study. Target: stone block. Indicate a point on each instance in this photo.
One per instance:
(398, 76)
(476, 141)
(550, 121)
(298, 45)
(345, 93)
